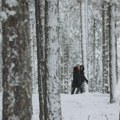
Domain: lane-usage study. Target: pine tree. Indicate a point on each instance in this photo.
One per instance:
(33, 45)
(48, 55)
(0, 49)
(105, 44)
(17, 103)
(39, 13)
(112, 53)
(52, 92)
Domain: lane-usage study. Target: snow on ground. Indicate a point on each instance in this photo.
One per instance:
(89, 106)
(35, 102)
(0, 105)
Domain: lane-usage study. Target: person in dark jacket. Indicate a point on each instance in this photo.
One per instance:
(78, 79)
(83, 79)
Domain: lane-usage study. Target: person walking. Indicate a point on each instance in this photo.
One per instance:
(78, 79)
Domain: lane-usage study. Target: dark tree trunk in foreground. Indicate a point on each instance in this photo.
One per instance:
(17, 104)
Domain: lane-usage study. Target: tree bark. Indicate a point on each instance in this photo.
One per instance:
(0, 49)
(17, 103)
(105, 44)
(112, 54)
(39, 12)
(48, 58)
(52, 94)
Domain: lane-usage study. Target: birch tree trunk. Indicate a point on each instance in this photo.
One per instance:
(17, 103)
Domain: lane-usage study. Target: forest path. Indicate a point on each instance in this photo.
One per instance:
(88, 106)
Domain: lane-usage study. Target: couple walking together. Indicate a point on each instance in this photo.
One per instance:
(78, 79)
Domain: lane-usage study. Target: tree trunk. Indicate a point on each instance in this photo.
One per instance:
(39, 11)
(112, 54)
(0, 49)
(105, 45)
(52, 93)
(17, 103)
(48, 58)
(94, 56)
(84, 36)
(33, 45)
(81, 32)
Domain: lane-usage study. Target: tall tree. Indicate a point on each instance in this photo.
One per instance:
(48, 55)
(105, 44)
(112, 53)
(39, 13)
(0, 48)
(33, 45)
(84, 34)
(52, 92)
(94, 80)
(81, 31)
(17, 103)
(109, 47)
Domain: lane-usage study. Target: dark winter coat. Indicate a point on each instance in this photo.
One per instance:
(78, 77)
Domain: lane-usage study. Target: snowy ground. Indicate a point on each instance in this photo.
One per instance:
(0, 106)
(94, 106)
(89, 106)
(35, 101)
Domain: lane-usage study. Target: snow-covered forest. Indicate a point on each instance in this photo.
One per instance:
(41, 41)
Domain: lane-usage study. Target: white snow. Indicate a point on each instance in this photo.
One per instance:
(115, 2)
(11, 3)
(35, 103)
(117, 92)
(11, 38)
(3, 15)
(94, 106)
(10, 12)
(0, 105)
